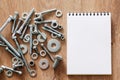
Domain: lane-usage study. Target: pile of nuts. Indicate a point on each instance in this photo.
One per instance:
(19, 31)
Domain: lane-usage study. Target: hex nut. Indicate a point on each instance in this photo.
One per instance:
(33, 73)
(35, 42)
(42, 53)
(58, 13)
(34, 56)
(9, 73)
(32, 63)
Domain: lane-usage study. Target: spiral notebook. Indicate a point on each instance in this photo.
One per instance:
(89, 44)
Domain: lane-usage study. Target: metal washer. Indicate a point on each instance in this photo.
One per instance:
(43, 63)
(56, 47)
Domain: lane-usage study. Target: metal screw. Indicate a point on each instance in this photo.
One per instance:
(7, 21)
(18, 24)
(53, 31)
(25, 22)
(15, 19)
(9, 45)
(58, 58)
(22, 56)
(11, 52)
(5, 67)
(31, 41)
(23, 33)
(45, 12)
(43, 47)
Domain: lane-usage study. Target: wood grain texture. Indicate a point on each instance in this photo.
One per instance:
(7, 7)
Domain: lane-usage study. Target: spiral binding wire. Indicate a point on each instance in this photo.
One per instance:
(90, 14)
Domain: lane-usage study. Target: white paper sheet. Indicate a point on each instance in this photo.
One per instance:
(89, 44)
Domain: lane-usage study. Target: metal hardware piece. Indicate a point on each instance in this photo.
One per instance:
(9, 73)
(58, 58)
(34, 56)
(18, 24)
(53, 35)
(35, 29)
(7, 21)
(11, 52)
(53, 45)
(23, 33)
(23, 48)
(7, 68)
(9, 45)
(33, 73)
(24, 15)
(31, 40)
(31, 63)
(44, 48)
(42, 53)
(36, 49)
(25, 22)
(15, 20)
(26, 38)
(53, 31)
(41, 14)
(1, 69)
(43, 63)
(58, 13)
(22, 56)
(35, 42)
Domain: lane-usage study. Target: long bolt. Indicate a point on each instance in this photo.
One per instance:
(25, 22)
(23, 33)
(31, 41)
(10, 51)
(5, 67)
(43, 47)
(22, 56)
(15, 19)
(9, 45)
(7, 21)
(18, 24)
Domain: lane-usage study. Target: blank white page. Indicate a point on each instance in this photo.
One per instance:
(89, 44)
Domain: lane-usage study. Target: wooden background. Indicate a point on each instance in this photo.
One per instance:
(7, 7)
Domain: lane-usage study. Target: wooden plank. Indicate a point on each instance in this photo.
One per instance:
(8, 7)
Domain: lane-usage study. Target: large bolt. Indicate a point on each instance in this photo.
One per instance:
(58, 58)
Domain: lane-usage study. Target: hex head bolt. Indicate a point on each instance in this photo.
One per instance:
(9, 45)
(26, 21)
(18, 24)
(58, 58)
(15, 20)
(44, 48)
(7, 21)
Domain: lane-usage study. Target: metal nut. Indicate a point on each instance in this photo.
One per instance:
(34, 56)
(42, 53)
